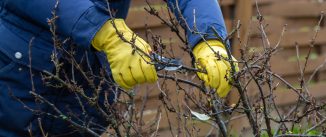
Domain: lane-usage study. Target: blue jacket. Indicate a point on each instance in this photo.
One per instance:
(81, 19)
(23, 20)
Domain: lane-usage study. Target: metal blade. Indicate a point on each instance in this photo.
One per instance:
(168, 64)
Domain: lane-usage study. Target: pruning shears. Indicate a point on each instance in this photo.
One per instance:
(164, 63)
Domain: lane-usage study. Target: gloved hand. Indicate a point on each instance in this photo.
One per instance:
(128, 68)
(217, 70)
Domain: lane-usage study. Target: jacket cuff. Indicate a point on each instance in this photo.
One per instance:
(88, 25)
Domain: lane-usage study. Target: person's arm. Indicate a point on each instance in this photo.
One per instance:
(205, 13)
(79, 19)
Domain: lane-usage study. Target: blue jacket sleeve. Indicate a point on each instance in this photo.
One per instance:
(78, 19)
(207, 15)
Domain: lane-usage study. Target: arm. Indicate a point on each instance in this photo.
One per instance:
(207, 14)
(79, 19)
(86, 22)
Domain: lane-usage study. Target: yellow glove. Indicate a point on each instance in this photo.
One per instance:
(128, 68)
(217, 70)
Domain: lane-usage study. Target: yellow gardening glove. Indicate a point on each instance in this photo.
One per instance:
(217, 70)
(128, 68)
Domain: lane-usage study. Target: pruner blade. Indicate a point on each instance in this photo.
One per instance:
(164, 63)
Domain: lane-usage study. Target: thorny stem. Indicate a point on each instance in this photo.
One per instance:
(217, 117)
(267, 120)
(243, 97)
(63, 117)
(245, 102)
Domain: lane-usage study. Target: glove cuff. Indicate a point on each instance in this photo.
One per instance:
(210, 43)
(108, 31)
(203, 48)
